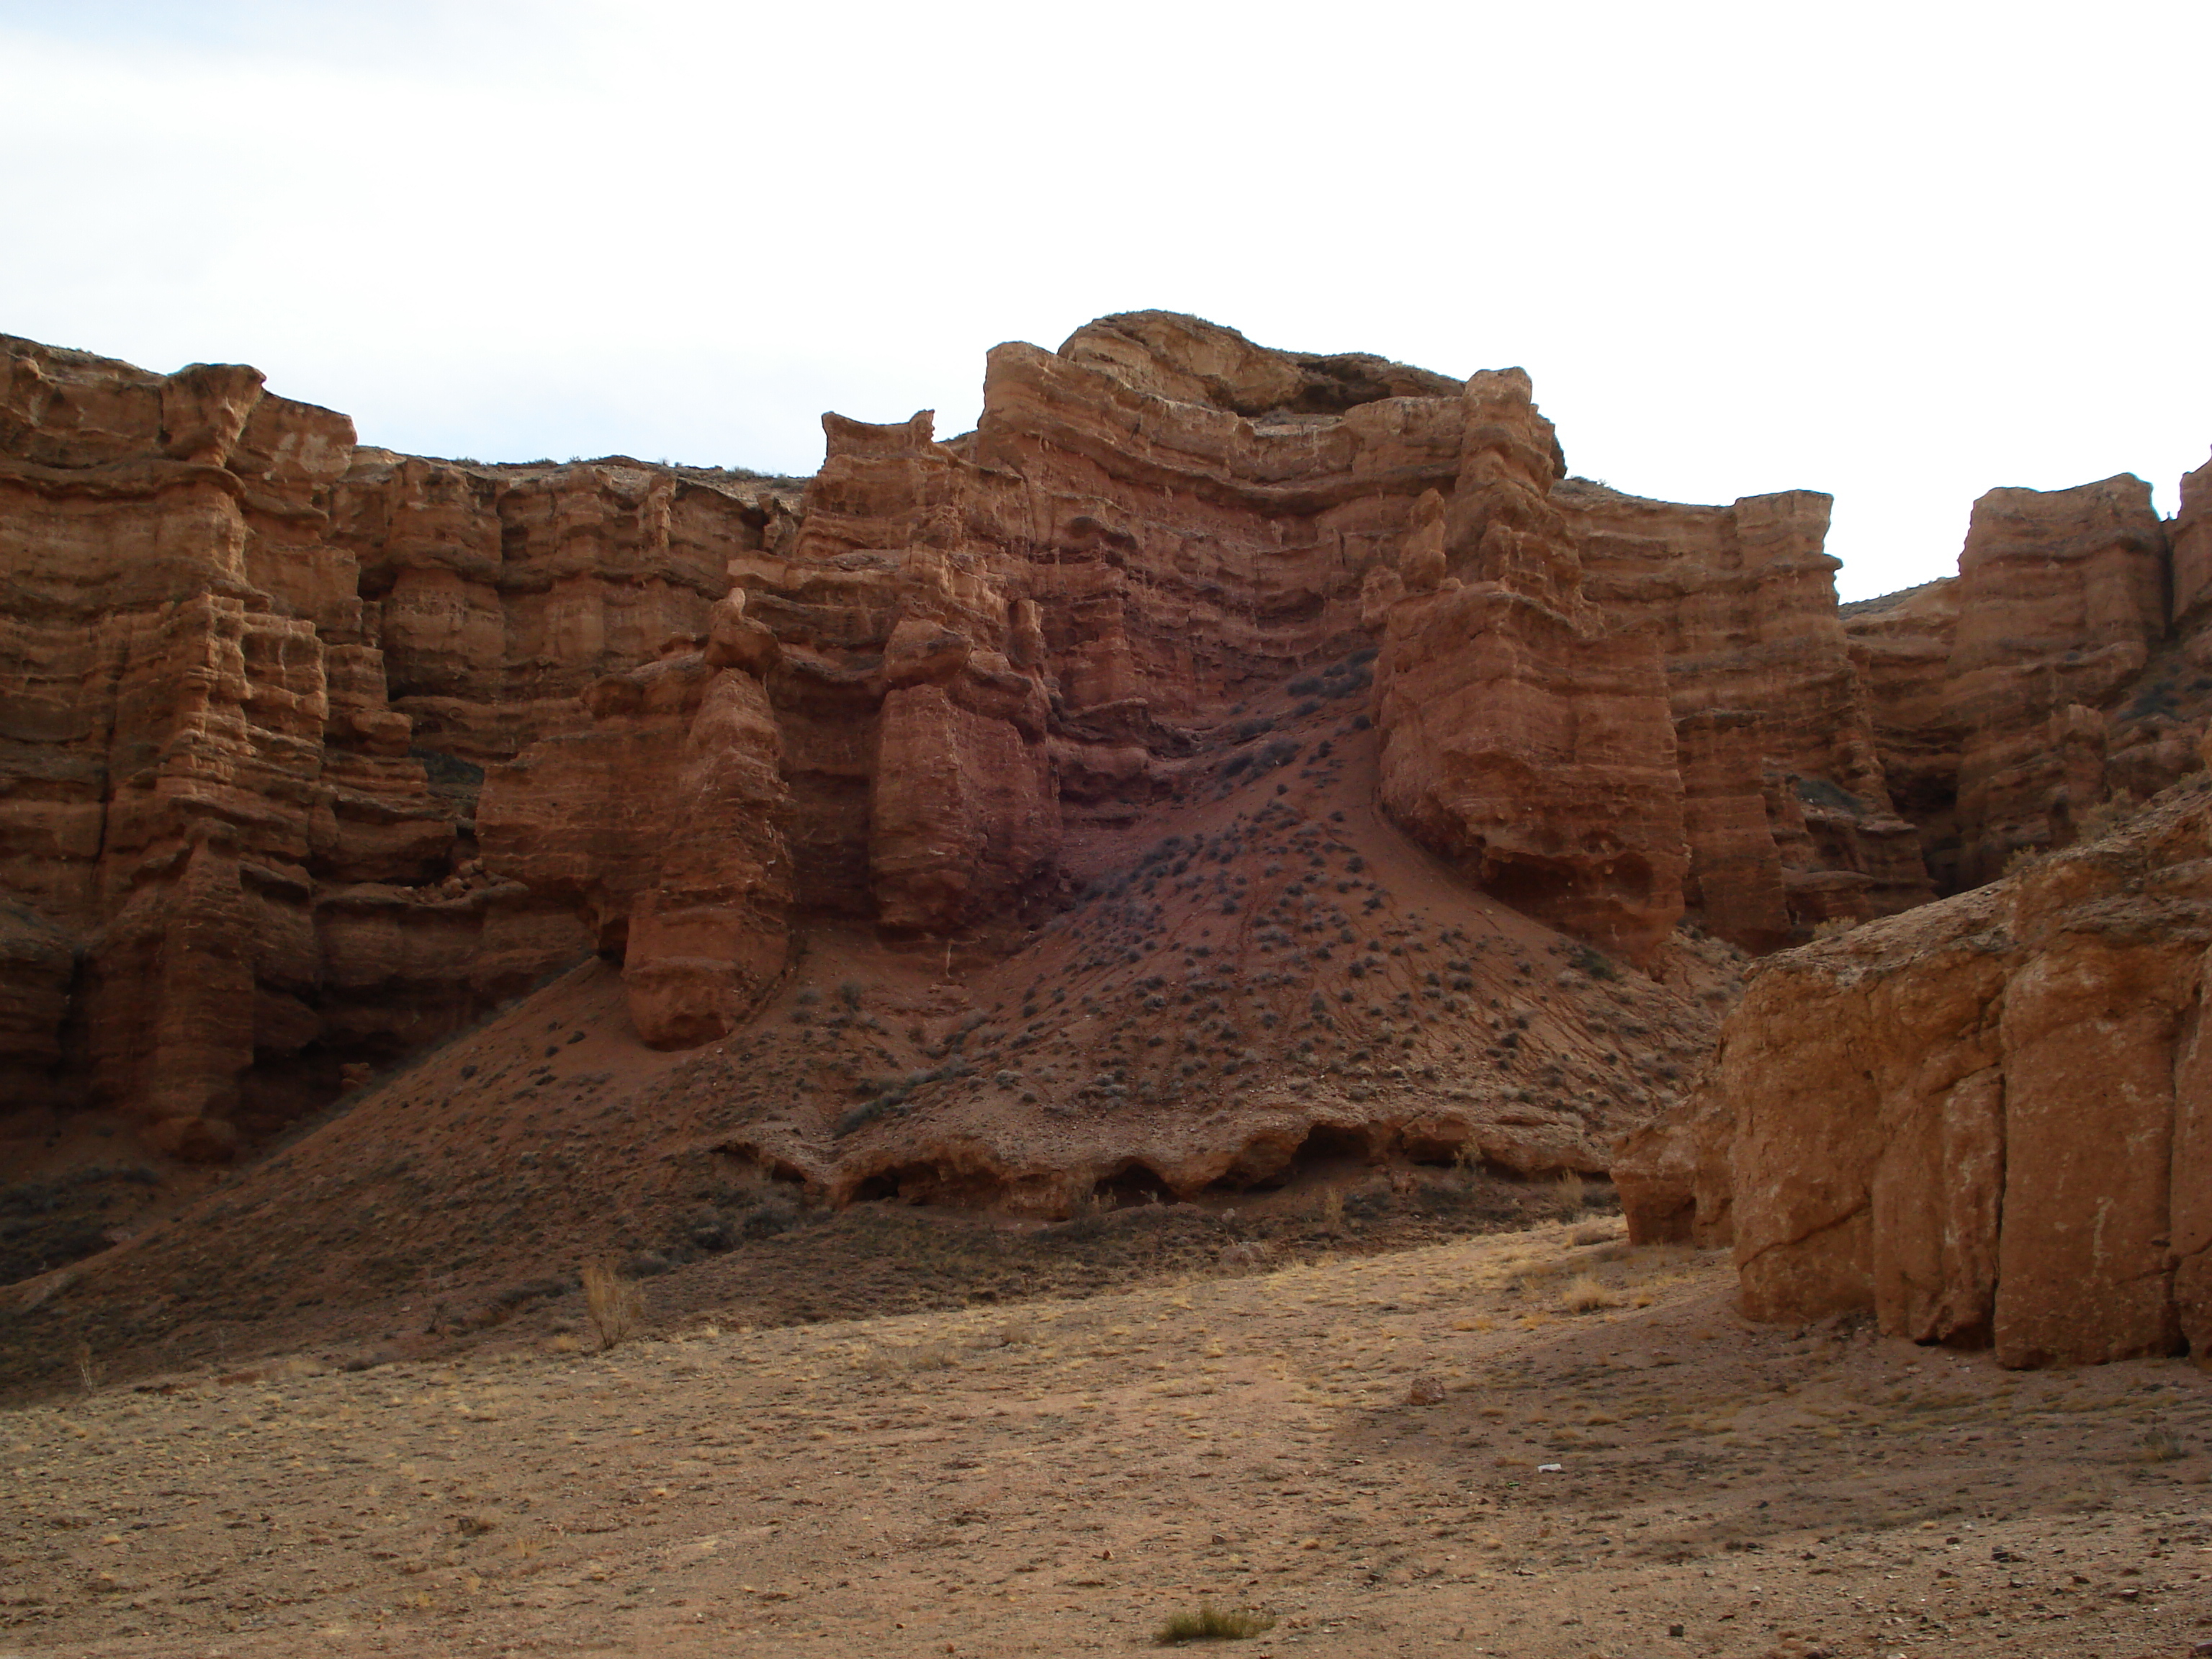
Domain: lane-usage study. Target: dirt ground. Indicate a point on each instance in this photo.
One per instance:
(1540, 1443)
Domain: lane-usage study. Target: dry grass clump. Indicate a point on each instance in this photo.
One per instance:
(615, 1304)
(1467, 1165)
(1211, 1624)
(1584, 1294)
(1086, 1214)
(2160, 1446)
(88, 1369)
(1329, 1210)
(1573, 1197)
(2106, 816)
(899, 1361)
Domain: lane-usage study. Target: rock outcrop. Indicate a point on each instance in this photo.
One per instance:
(1988, 1120)
(661, 827)
(2061, 598)
(239, 830)
(1786, 803)
(2059, 678)
(1901, 644)
(1524, 736)
(317, 751)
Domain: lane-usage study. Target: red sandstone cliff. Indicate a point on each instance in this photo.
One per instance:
(1230, 697)
(1788, 811)
(1987, 1120)
(2061, 669)
(319, 751)
(316, 752)
(252, 674)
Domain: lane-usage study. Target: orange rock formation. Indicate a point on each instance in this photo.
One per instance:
(1988, 1120)
(317, 751)
(1270, 709)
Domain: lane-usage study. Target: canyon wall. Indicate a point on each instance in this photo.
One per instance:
(1786, 807)
(1987, 1121)
(1981, 1119)
(315, 751)
(2061, 676)
(251, 676)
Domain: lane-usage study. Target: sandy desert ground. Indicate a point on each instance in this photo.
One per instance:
(1535, 1443)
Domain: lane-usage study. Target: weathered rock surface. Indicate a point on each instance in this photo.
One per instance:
(315, 752)
(246, 854)
(2055, 680)
(2061, 598)
(661, 826)
(1786, 805)
(1523, 737)
(1901, 646)
(1986, 1118)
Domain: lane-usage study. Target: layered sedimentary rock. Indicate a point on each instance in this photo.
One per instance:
(2061, 598)
(502, 592)
(659, 826)
(240, 867)
(1989, 1119)
(1524, 736)
(2054, 681)
(316, 751)
(2192, 542)
(1901, 645)
(181, 654)
(1787, 809)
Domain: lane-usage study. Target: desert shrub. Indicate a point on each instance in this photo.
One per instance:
(615, 1304)
(865, 1113)
(850, 993)
(1585, 1295)
(1467, 1165)
(1085, 1215)
(2106, 816)
(1211, 1624)
(2161, 1445)
(777, 1212)
(1820, 792)
(1594, 961)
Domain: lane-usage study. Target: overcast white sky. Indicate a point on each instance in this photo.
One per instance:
(1902, 253)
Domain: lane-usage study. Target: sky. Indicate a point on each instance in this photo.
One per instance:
(1903, 253)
